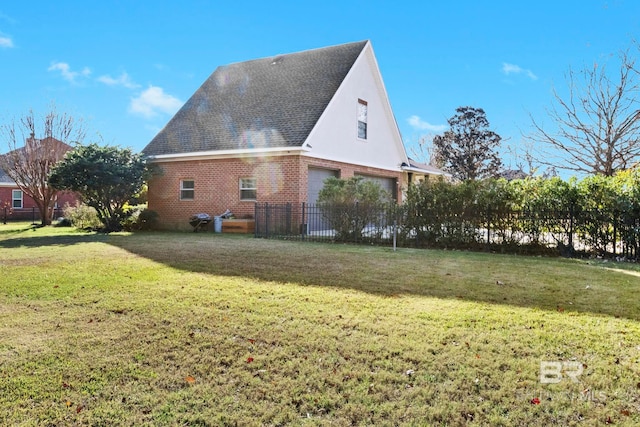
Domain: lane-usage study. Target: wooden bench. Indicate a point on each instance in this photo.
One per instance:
(238, 226)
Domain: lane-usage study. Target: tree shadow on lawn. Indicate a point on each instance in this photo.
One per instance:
(557, 285)
(8, 231)
(9, 242)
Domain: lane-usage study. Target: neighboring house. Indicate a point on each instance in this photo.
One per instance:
(15, 204)
(511, 174)
(418, 171)
(273, 129)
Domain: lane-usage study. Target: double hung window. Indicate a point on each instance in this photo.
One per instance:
(187, 189)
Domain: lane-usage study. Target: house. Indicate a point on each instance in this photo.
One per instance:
(417, 171)
(271, 130)
(16, 205)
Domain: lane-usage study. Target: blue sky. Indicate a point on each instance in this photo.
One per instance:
(125, 67)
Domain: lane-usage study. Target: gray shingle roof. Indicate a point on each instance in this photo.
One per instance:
(263, 103)
(4, 178)
(424, 167)
(50, 145)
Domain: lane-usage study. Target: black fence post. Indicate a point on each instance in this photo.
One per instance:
(355, 225)
(5, 215)
(266, 220)
(396, 216)
(571, 224)
(256, 220)
(303, 222)
(488, 228)
(288, 218)
(636, 238)
(615, 229)
(417, 226)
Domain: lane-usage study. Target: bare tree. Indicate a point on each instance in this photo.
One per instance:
(595, 126)
(425, 152)
(35, 145)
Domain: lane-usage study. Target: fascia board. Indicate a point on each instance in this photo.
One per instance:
(227, 154)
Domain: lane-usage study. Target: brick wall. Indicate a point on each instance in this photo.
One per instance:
(280, 179)
(28, 205)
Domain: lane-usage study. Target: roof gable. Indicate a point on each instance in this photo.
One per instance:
(335, 136)
(35, 147)
(264, 103)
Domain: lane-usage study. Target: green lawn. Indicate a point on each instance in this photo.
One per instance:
(204, 329)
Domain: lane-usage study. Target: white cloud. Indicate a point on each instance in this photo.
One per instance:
(153, 101)
(516, 69)
(66, 73)
(6, 42)
(122, 80)
(419, 124)
(7, 18)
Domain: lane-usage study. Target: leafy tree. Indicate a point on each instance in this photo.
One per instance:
(352, 204)
(595, 126)
(35, 145)
(105, 177)
(468, 148)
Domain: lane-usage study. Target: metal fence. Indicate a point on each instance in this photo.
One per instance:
(321, 223)
(568, 233)
(28, 214)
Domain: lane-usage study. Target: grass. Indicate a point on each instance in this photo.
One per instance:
(203, 329)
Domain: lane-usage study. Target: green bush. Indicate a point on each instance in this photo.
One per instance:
(440, 213)
(148, 219)
(139, 218)
(82, 216)
(350, 205)
(597, 214)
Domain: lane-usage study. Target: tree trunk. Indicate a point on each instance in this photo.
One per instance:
(45, 213)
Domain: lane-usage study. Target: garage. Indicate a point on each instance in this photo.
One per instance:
(316, 221)
(316, 182)
(387, 184)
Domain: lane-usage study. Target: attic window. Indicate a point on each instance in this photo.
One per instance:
(362, 119)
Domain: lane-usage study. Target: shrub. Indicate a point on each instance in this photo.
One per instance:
(139, 218)
(82, 216)
(148, 219)
(441, 213)
(62, 222)
(351, 205)
(599, 214)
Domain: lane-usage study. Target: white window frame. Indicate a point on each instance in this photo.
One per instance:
(248, 184)
(19, 199)
(362, 116)
(184, 189)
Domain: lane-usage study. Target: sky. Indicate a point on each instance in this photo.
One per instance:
(125, 67)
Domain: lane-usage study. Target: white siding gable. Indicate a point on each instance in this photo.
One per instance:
(335, 135)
